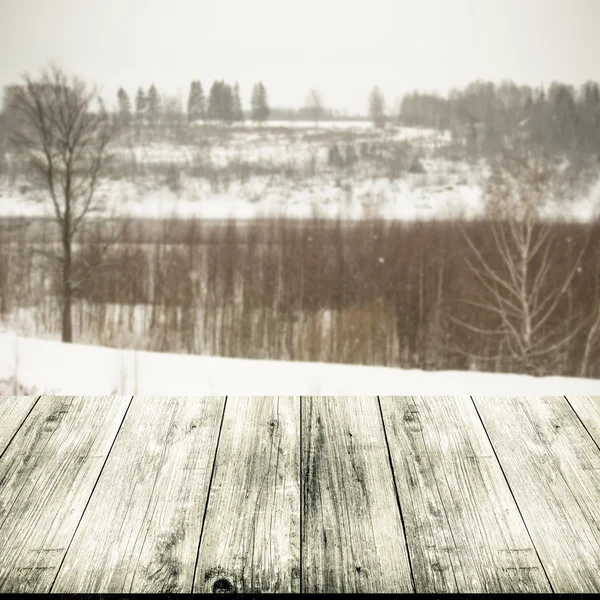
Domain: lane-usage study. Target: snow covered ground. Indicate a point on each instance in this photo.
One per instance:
(409, 198)
(34, 366)
(344, 125)
(261, 197)
(254, 172)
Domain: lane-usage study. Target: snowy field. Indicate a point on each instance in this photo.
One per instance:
(33, 366)
(266, 197)
(282, 169)
(257, 172)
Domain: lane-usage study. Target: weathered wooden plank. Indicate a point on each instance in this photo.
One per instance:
(46, 478)
(251, 538)
(553, 468)
(13, 411)
(352, 535)
(463, 528)
(142, 527)
(588, 409)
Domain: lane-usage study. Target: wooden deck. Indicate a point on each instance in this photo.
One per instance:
(290, 494)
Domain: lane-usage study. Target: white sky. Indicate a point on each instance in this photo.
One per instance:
(341, 47)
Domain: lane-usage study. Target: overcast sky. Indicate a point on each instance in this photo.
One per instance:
(341, 47)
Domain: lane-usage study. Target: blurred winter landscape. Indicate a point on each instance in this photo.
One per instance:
(226, 237)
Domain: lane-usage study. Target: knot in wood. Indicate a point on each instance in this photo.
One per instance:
(222, 586)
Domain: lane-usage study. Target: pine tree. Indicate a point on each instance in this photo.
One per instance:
(214, 101)
(260, 104)
(227, 103)
(264, 103)
(153, 103)
(196, 103)
(590, 116)
(141, 102)
(192, 106)
(255, 103)
(238, 112)
(124, 106)
(201, 100)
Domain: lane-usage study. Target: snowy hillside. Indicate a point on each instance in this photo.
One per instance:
(48, 367)
(286, 169)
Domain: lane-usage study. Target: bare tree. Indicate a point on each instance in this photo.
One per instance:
(520, 290)
(314, 103)
(377, 107)
(64, 141)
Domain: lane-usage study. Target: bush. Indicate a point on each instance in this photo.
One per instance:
(173, 178)
(416, 167)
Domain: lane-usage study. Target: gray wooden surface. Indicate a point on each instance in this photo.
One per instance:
(464, 530)
(47, 476)
(251, 538)
(142, 528)
(290, 494)
(13, 410)
(352, 538)
(553, 468)
(588, 410)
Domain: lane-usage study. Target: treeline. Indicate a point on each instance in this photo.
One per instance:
(560, 119)
(371, 292)
(223, 104)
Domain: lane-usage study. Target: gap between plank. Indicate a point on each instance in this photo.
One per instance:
(513, 496)
(210, 483)
(19, 427)
(91, 495)
(580, 420)
(393, 474)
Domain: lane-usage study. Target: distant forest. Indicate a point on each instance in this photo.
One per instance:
(560, 119)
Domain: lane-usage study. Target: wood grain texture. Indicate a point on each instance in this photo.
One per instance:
(464, 530)
(13, 410)
(142, 527)
(588, 409)
(352, 536)
(251, 539)
(553, 468)
(46, 478)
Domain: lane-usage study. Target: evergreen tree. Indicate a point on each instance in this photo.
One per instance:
(265, 110)
(238, 112)
(214, 101)
(196, 103)
(260, 103)
(227, 103)
(141, 102)
(221, 103)
(255, 103)
(153, 103)
(590, 116)
(124, 106)
(201, 101)
(192, 105)
(564, 116)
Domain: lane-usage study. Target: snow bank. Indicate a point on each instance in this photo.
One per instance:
(49, 367)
